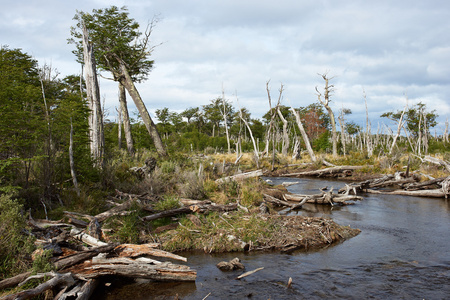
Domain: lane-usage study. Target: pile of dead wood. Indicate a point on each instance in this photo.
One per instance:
(401, 183)
(335, 171)
(277, 197)
(78, 268)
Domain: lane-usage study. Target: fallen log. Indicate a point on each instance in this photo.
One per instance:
(13, 281)
(168, 213)
(58, 279)
(132, 250)
(435, 193)
(242, 176)
(76, 258)
(86, 238)
(323, 198)
(436, 161)
(334, 171)
(162, 272)
(419, 185)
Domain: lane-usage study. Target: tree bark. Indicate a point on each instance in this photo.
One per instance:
(128, 83)
(325, 103)
(71, 161)
(326, 171)
(126, 119)
(93, 96)
(285, 146)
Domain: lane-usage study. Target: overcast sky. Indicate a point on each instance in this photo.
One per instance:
(386, 48)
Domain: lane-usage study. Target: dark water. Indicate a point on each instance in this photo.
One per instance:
(403, 252)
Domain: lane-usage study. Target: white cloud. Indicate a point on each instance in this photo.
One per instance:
(388, 48)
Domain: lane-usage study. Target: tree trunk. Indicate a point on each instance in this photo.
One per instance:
(126, 119)
(119, 128)
(325, 103)
(126, 80)
(71, 161)
(304, 135)
(93, 96)
(399, 127)
(285, 146)
(224, 114)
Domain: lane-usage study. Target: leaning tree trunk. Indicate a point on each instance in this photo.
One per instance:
(128, 83)
(304, 135)
(93, 96)
(126, 119)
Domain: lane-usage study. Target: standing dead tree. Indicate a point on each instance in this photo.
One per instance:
(328, 89)
(225, 121)
(304, 135)
(93, 95)
(399, 128)
(285, 145)
(368, 134)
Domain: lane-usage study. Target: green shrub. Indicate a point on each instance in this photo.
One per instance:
(15, 246)
(168, 202)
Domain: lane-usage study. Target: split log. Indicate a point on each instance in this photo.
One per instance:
(88, 239)
(132, 250)
(333, 171)
(242, 176)
(162, 272)
(58, 279)
(76, 258)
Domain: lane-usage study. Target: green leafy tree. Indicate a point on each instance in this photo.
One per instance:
(418, 119)
(22, 122)
(120, 48)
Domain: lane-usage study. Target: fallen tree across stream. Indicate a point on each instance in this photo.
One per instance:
(339, 171)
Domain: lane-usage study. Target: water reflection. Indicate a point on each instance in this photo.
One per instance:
(401, 253)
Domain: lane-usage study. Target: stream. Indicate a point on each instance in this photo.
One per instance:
(402, 252)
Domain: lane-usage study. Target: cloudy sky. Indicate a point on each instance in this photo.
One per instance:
(389, 49)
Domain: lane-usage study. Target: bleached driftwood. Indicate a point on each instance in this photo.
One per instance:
(58, 279)
(242, 176)
(86, 238)
(132, 250)
(249, 273)
(333, 171)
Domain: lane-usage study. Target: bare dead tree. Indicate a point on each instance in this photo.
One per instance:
(225, 121)
(328, 89)
(72, 162)
(445, 136)
(304, 135)
(285, 145)
(368, 135)
(93, 96)
(272, 118)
